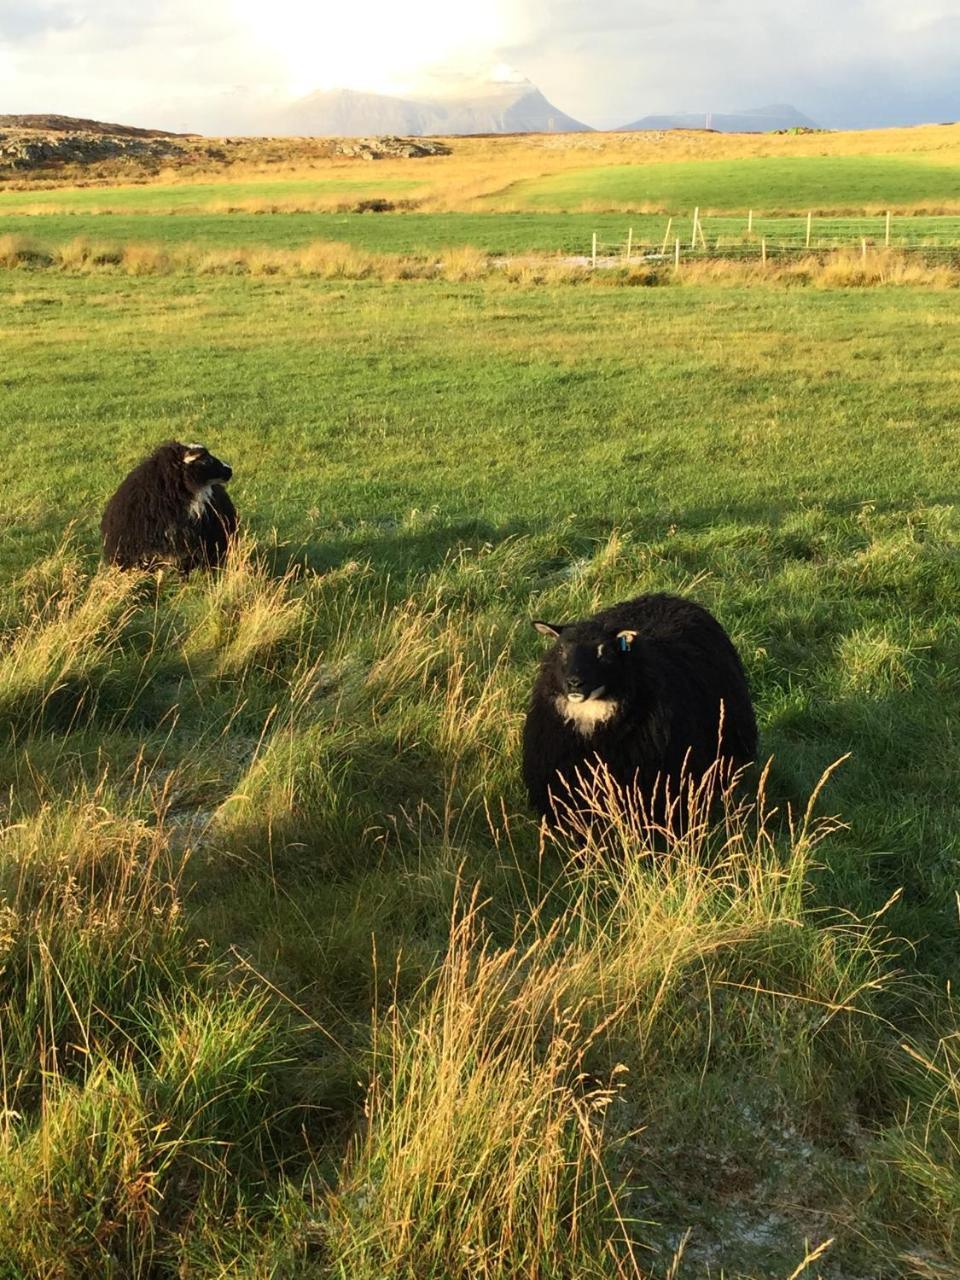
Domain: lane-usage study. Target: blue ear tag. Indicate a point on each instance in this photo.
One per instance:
(624, 644)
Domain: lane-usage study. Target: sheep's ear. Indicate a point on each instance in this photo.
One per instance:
(625, 639)
(548, 628)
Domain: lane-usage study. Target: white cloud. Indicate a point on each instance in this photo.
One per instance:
(199, 63)
(612, 60)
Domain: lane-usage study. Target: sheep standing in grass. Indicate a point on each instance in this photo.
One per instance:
(172, 510)
(653, 689)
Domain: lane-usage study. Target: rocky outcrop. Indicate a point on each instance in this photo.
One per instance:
(34, 149)
(99, 153)
(382, 148)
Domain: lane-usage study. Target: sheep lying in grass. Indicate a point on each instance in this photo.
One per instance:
(172, 510)
(652, 689)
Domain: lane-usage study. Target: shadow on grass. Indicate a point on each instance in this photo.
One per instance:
(390, 547)
(775, 511)
(896, 794)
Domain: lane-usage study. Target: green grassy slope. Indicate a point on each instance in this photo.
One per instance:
(827, 183)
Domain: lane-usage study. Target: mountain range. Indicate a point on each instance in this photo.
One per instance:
(754, 120)
(513, 106)
(499, 102)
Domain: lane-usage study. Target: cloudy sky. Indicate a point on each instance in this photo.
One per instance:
(199, 64)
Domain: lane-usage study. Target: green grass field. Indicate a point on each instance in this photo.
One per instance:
(494, 233)
(832, 184)
(290, 987)
(414, 232)
(161, 197)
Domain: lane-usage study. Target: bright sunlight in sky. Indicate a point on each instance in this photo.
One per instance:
(323, 45)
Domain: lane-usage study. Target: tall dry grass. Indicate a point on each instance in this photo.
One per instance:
(15, 251)
(497, 1120)
(923, 1151)
(348, 742)
(333, 260)
(57, 659)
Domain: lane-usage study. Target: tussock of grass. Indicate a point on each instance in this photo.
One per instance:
(81, 254)
(250, 619)
(924, 1154)
(117, 1165)
(92, 931)
(15, 251)
(491, 1145)
(464, 263)
(481, 1156)
(56, 662)
(145, 260)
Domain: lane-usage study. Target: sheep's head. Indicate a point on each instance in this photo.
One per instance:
(201, 468)
(589, 661)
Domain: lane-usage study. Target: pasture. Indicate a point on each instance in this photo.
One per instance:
(239, 813)
(524, 195)
(435, 234)
(828, 184)
(291, 984)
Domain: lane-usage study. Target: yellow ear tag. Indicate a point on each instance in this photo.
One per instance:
(624, 644)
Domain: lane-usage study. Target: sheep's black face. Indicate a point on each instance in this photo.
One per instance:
(201, 468)
(589, 662)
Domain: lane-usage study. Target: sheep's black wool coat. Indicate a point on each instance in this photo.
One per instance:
(664, 666)
(170, 511)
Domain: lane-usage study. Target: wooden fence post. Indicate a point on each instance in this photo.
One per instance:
(886, 238)
(750, 223)
(809, 227)
(676, 254)
(629, 243)
(763, 250)
(666, 236)
(696, 223)
(863, 248)
(593, 251)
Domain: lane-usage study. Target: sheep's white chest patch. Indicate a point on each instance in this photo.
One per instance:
(585, 716)
(199, 501)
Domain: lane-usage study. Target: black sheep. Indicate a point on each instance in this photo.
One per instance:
(172, 510)
(638, 688)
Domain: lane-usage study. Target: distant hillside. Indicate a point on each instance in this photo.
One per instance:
(753, 120)
(73, 124)
(510, 107)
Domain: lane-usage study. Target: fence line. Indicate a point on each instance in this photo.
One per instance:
(784, 236)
